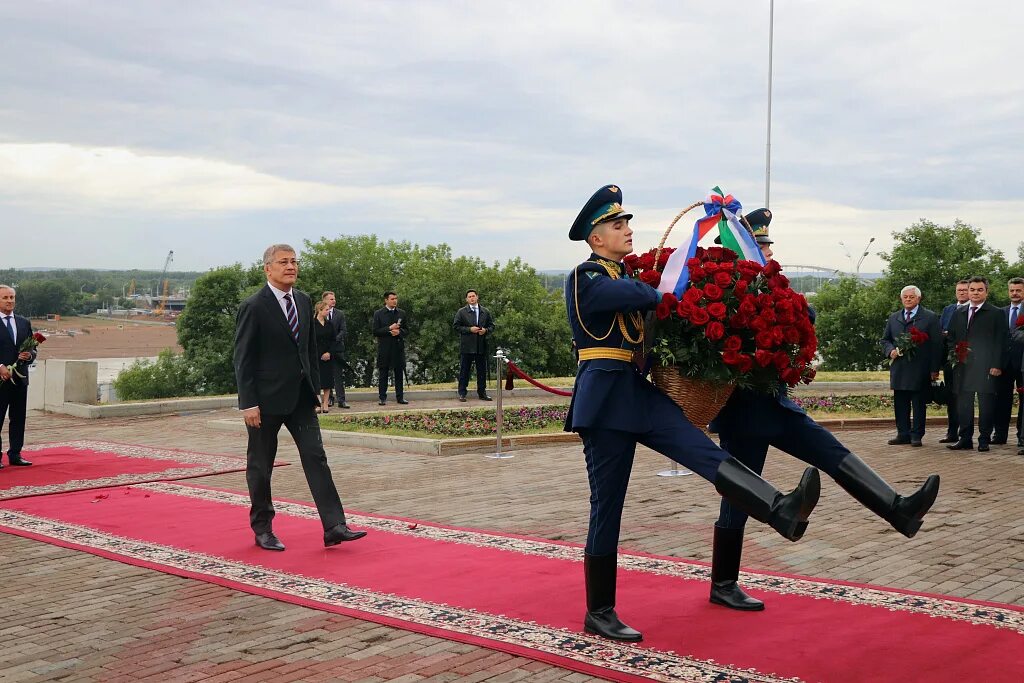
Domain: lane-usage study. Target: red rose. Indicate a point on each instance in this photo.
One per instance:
(39, 337)
(748, 305)
(763, 358)
(768, 315)
(669, 299)
(764, 339)
(791, 335)
(710, 266)
(781, 360)
(733, 343)
(631, 262)
(777, 336)
(723, 279)
(738, 321)
(730, 357)
(749, 267)
(716, 253)
(765, 300)
(651, 277)
(717, 310)
(714, 331)
(758, 324)
(699, 316)
(728, 254)
(778, 282)
(790, 376)
(663, 311)
(772, 268)
(663, 259)
(684, 309)
(697, 274)
(809, 374)
(713, 291)
(1020, 322)
(746, 363)
(646, 261)
(693, 295)
(693, 263)
(700, 253)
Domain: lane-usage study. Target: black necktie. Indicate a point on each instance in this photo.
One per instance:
(970, 316)
(10, 331)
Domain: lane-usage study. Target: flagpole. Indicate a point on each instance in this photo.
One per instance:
(768, 145)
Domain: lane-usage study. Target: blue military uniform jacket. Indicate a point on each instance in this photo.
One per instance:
(605, 310)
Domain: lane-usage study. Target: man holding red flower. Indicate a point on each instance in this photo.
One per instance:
(14, 363)
(913, 343)
(613, 408)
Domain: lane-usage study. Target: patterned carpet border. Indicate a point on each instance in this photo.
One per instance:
(208, 464)
(934, 606)
(523, 635)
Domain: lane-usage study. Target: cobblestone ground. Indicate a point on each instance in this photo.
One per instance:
(71, 616)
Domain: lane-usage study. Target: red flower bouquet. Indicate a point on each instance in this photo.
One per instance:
(738, 322)
(959, 353)
(26, 346)
(907, 343)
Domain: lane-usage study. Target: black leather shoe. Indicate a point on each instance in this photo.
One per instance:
(18, 461)
(898, 442)
(606, 623)
(462, 399)
(916, 444)
(402, 401)
(485, 397)
(983, 448)
(339, 534)
(1020, 451)
(269, 541)
(382, 402)
(961, 446)
(997, 442)
(949, 439)
(344, 405)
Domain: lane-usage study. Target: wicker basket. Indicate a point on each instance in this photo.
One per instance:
(700, 399)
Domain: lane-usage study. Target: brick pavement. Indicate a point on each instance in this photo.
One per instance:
(70, 616)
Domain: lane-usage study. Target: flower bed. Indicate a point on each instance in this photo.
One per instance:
(457, 423)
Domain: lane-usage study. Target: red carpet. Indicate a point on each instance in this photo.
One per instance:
(76, 465)
(525, 596)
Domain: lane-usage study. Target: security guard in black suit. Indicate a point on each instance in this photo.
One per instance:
(750, 422)
(614, 408)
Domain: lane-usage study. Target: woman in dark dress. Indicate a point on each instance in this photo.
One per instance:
(324, 332)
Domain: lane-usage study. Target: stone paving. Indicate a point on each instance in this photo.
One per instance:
(70, 616)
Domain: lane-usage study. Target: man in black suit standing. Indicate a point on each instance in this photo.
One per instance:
(952, 421)
(1009, 383)
(390, 327)
(336, 319)
(912, 370)
(276, 368)
(983, 329)
(14, 330)
(473, 322)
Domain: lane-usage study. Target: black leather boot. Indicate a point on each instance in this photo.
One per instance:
(725, 570)
(904, 513)
(601, 619)
(787, 513)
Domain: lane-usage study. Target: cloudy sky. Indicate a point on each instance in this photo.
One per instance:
(213, 129)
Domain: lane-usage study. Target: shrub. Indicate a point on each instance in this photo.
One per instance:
(171, 375)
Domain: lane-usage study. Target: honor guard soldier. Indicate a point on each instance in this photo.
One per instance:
(750, 422)
(614, 408)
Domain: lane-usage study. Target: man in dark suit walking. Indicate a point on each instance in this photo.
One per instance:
(982, 331)
(14, 330)
(390, 327)
(473, 322)
(336, 319)
(1009, 383)
(911, 370)
(952, 420)
(276, 368)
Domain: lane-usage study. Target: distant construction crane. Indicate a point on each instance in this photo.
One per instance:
(159, 310)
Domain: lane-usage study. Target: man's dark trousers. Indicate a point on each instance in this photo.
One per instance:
(13, 405)
(338, 365)
(903, 402)
(304, 428)
(986, 409)
(388, 360)
(466, 360)
(1007, 385)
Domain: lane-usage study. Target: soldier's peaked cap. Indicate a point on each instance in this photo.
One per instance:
(605, 205)
(758, 221)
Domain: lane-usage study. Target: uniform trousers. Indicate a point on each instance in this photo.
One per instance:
(794, 433)
(262, 450)
(609, 455)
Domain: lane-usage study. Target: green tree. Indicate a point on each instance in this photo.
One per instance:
(933, 257)
(850, 321)
(39, 297)
(206, 328)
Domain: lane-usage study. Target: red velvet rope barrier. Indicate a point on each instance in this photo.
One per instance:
(513, 370)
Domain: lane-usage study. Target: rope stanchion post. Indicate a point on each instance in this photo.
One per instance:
(676, 470)
(500, 360)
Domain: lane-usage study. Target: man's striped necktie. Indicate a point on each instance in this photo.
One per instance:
(292, 315)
